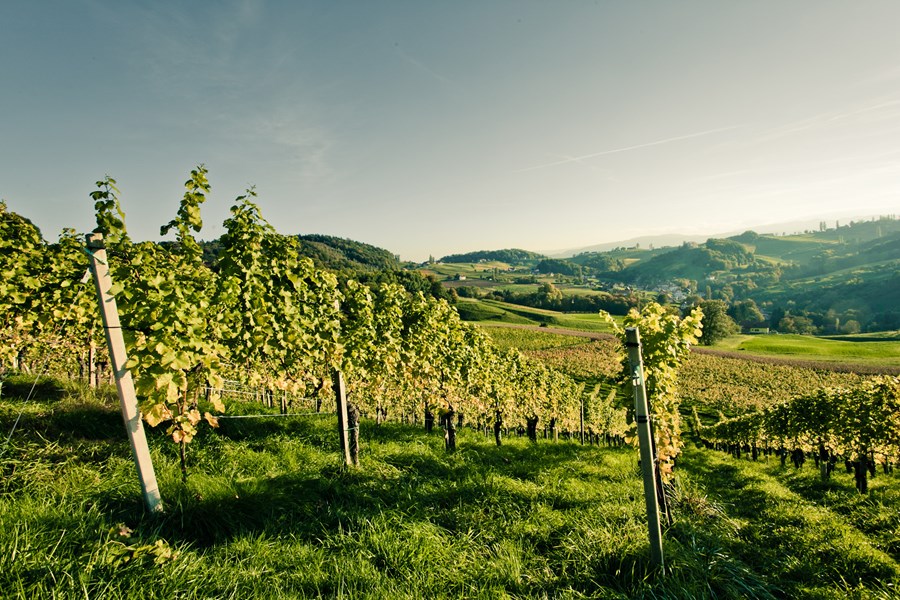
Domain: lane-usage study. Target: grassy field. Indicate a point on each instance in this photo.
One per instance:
(469, 270)
(532, 339)
(268, 511)
(884, 352)
(495, 311)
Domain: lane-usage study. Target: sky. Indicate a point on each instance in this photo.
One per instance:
(430, 128)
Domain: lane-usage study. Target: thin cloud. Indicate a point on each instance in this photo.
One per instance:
(422, 67)
(883, 111)
(583, 157)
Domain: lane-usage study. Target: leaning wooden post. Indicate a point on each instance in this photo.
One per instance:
(124, 384)
(340, 397)
(648, 460)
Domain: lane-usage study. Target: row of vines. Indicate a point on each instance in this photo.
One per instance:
(856, 424)
(263, 315)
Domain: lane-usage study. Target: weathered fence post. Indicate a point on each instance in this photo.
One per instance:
(340, 397)
(124, 384)
(648, 458)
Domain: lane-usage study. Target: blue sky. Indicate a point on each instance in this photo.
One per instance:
(440, 127)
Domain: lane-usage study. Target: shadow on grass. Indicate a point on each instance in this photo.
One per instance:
(730, 485)
(414, 478)
(75, 422)
(44, 389)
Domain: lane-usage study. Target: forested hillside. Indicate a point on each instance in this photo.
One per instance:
(328, 252)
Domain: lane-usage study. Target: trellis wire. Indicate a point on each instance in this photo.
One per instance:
(309, 414)
(257, 393)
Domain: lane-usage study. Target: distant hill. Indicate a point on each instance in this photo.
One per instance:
(780, 229)
(339, 253)
(646, 241)
(328, 252)
(751, 255)
(511, 256)
(833, 279)
(838, 279)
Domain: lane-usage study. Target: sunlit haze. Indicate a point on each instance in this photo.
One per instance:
(433, 128)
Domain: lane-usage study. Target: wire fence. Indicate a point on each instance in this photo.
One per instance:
(289, 404)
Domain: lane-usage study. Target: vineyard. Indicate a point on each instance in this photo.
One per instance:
(264, 317)
(485, 462)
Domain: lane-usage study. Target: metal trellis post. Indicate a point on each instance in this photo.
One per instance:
(648, 460)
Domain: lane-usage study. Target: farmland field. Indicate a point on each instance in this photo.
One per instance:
(872, 350)
(885, 352)
(488, 311)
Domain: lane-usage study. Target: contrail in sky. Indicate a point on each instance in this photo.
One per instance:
(627, 148)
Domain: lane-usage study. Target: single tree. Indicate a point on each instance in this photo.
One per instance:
(716, 322)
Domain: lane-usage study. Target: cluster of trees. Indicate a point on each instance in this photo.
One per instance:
(352, 254)
(722, 319)
(725, 318)
(512, 256)
(598, 262)
(559, 267)
(550, 297)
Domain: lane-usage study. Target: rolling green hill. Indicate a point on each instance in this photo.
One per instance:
(842, 280)
(329, 252)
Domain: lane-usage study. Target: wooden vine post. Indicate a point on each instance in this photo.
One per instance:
(124, 384)
(581, 419)
(648, 458)
(340, 397)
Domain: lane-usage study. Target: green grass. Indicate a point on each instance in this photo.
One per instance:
(269, 511)
(591, 322)
(875, 336)
(476, 310)
(488, 311)
(812, 535)
(886, 352)
(470, 270)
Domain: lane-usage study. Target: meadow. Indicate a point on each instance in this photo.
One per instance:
(495, 311)
(885, 352)
(270, 511)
